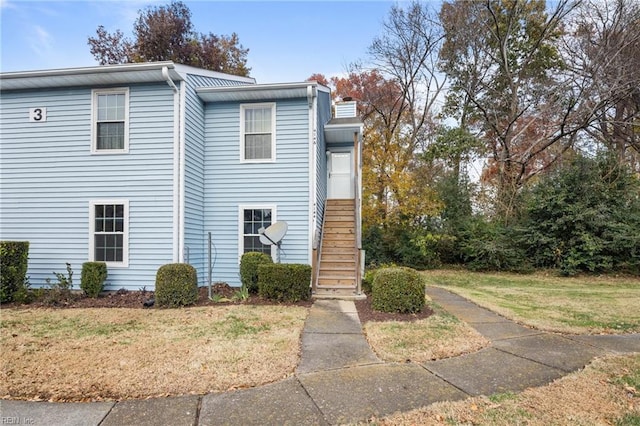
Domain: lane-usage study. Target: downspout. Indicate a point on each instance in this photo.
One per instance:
(176, 166)
(183, 171)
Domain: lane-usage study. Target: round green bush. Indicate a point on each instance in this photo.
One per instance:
(249, 269)
(92, 278)
(398, 289)
(176, 285)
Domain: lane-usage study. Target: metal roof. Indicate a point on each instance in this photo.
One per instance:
(257, 92)
(105, 75)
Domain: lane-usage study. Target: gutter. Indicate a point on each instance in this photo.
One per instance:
(177, 170)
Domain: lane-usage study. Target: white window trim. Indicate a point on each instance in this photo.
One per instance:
(94, 118)
(241, 209)
(271, 105)
(125, 237)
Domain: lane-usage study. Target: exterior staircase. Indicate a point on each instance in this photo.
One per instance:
(339, 255)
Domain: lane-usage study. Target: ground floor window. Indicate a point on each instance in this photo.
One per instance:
(109, 232)
(252, 218)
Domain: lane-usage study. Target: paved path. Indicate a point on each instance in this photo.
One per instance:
(340, 380)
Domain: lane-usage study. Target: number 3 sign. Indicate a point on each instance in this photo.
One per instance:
(37, 115)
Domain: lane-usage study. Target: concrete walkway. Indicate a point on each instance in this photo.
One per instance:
(340, 380)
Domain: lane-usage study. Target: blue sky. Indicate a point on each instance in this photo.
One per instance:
(288, 41)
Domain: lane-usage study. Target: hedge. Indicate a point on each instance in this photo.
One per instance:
(14, 260)
(284, 282)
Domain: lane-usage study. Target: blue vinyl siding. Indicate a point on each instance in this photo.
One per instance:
(195, 235)
(194, 182)
(48, 177)
(323, 117)
(229, 183)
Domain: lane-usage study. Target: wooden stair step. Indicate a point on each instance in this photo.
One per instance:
(344, 243)
(335, 281)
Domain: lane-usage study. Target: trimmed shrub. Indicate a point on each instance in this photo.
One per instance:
(249, 269)
(398, 289)
(367, 280)
(14, 259)
(92, 278)
(284, 282)
(176, 285)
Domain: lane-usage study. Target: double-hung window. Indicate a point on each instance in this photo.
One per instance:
(109, 229)
(252, 218)
(110, 121)
(257, 130)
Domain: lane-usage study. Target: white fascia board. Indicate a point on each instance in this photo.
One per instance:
(257, 92)
(88, 76)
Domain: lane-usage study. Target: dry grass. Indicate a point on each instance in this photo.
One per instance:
(98, 354)
(437, 337)
(581, 305)
(606, 392)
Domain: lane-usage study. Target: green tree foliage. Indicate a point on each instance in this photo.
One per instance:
(585, 217)
(163, 33)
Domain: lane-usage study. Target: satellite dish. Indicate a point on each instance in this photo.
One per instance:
(273, 234)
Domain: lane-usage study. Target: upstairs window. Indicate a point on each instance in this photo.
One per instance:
(110, 121)
(257, 124)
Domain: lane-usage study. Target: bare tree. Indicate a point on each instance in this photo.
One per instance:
(603, 51)
(407, 53)
(505, 66)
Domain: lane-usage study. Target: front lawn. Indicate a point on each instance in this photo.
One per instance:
(579, 305)
(115, 353)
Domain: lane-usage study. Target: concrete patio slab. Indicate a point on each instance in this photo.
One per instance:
(355, 394)
(176, 411)
(336, 305)
(500, 372)
(282, 403)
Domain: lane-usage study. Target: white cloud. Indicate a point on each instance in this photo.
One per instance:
(4, 4)
(40, 41)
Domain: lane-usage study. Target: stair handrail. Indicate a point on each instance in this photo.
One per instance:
(316, 277)
(358, 209)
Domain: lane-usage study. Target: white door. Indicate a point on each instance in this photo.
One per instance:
(340, 175)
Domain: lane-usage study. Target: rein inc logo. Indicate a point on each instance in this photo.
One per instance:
(17, 421)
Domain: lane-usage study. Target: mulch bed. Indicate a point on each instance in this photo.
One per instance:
(136, 299)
